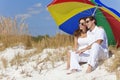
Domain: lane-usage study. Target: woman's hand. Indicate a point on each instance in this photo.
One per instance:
(81, 51)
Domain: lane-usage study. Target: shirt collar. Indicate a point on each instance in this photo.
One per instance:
(94, 29)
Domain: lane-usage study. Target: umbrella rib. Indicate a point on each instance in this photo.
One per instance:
(95, 11)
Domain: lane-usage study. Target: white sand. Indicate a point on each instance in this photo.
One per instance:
(26, 70)
(60, 74)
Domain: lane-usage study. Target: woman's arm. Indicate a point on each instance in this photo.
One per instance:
(75, 43)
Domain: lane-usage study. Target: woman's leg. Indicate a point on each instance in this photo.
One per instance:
(68, 60)
(74, 61)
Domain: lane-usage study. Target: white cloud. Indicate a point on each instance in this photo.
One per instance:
(23, 16)
(38, 5)
(34, 11)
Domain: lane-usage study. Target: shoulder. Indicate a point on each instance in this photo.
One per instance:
(100, 29)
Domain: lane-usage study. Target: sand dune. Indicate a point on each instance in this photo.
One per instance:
(31, 70)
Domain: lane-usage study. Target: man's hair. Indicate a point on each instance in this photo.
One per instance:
(92, 18)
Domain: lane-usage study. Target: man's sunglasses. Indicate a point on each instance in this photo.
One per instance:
(88, 21)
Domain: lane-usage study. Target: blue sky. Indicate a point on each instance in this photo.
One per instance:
(37, 17)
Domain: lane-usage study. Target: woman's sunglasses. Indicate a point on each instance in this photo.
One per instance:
(83, 24)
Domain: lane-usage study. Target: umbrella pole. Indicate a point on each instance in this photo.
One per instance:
(95, 11)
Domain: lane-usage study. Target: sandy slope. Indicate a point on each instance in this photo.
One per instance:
(59, 73)
(26, 70)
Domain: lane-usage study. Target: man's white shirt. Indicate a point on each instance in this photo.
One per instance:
(96, 34)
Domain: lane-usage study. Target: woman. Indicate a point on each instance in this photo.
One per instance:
(80, 42)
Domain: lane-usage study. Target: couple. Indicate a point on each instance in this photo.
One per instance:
(90, 45)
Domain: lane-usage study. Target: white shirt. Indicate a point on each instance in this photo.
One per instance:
(83, 42)
(96, 34)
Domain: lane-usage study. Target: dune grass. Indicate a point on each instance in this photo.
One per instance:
(13, 33)
(114, 61)
(60, 40)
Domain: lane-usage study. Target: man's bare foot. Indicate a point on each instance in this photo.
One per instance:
(89, 69)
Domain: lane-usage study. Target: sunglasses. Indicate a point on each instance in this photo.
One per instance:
(88, 21)
(83, 24)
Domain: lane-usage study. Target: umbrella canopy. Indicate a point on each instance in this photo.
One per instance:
(66, 14)
(98, 2)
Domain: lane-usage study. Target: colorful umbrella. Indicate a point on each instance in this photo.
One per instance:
(66, 14)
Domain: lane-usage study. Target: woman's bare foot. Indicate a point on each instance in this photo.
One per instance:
(72, 71)
(89, 69)
(67, 68)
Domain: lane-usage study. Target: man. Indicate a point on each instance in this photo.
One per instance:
(98, 44)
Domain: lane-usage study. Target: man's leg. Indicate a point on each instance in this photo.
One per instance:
(95, 54)
(89, 69)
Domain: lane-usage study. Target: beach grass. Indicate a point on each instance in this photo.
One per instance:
(13, 33)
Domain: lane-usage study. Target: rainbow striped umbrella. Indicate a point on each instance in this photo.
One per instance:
(66, 14)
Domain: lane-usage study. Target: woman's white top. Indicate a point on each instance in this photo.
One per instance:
(82, 42)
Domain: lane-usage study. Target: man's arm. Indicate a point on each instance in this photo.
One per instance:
(99, 41)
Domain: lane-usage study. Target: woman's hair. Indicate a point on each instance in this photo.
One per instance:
(81, 19)
(77, 33)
